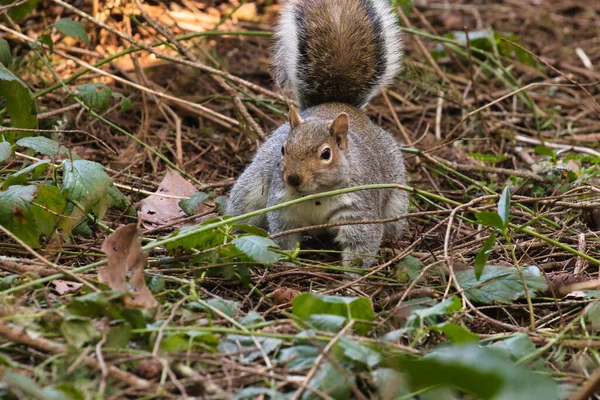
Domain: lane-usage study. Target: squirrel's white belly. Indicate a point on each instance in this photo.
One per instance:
(316, 212)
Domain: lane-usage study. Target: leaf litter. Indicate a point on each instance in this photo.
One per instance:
(225, 326)
(123, 249)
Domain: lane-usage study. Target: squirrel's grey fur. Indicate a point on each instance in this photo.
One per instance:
(332, 144)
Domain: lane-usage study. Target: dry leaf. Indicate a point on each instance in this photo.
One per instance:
(156, 210)
(124, 253)
(284, 295)
(149, 369)
(66, 287)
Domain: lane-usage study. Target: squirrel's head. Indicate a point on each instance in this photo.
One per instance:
(314, 153)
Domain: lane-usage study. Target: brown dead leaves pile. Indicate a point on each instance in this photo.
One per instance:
(124, 251)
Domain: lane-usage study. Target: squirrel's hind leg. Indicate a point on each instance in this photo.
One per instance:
(357, 241)
(277, 225)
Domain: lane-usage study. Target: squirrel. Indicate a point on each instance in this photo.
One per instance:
(334, 56)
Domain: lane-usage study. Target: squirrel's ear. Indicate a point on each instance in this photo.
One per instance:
(294, 117)
(339, 130)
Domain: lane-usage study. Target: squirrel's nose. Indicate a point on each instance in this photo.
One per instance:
(293, 179)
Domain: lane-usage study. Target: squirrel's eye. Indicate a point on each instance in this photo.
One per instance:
(326, 154)
(282, 150)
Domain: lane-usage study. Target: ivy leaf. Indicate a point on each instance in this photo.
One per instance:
(78, 331)
(5, 54)
(71, 28)
(20, 103)
(5, 151)
(500, 284)
(308, 304)
(257, 248)
(489, 218)
(483, 255)
(504, 206)
(45, 146)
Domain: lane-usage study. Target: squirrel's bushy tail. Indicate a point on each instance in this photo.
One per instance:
(336, 50)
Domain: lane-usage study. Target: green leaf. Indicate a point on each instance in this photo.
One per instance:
(483, 255)
(516, 347)
(24, 384)
(48, 209)
(592, 313)
(200, 240)
(43, 145)
(5, 151)
(504, 206)
(419, 316)
(190, 206)
(413, 266)
(252, 318)
(329, 380)
(31, 211)
(21, 11)
(327, 323)
(124, 103)
(251, 229)
(246, 345)
(500, 284)
(20, 103)
(157, 284)
(95, 304)
(86, 183)
(63, 391)
(359, 353)
(120, 201)
(71, 28)
(47, 40)
(390, 384)
(78, 331)
(545, 151)
(260, 393)
(118, 336)
(489, 218)
(227, 307)
(308, 304)
(457, 334)
(479, 372)
(257, 248)
(5, 54)
(298, 357)
(94, 95)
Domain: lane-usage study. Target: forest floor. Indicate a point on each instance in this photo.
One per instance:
(149, 111)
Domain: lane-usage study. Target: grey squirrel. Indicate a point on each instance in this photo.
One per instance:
(334, 56)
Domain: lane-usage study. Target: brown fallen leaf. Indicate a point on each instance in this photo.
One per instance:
(284, 295)
(124, 252)
(66, 287)
(149, 369)
(157, 210)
